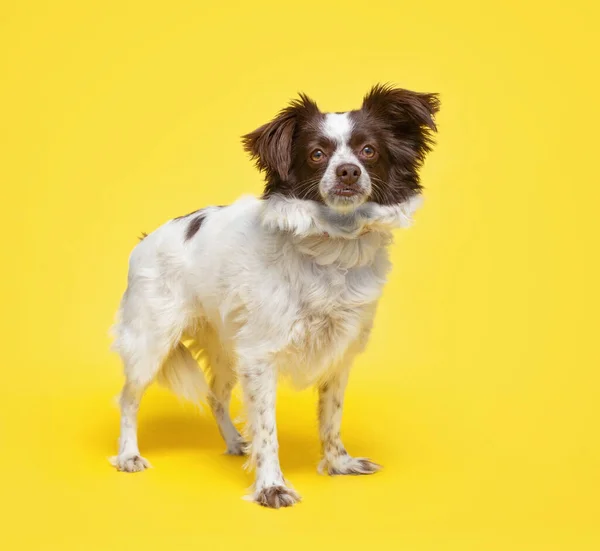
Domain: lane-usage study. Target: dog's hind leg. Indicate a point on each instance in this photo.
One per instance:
(222, 380)
(144, 349)
(129, 458)
(219, 399)
(142, 360)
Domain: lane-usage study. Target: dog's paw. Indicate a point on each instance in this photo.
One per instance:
(275, 497)
(344, 464)
(238, 447)
(129, 463)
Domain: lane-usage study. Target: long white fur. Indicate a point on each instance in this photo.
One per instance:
(264, 288)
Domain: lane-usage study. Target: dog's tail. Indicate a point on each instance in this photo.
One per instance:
(181, 374)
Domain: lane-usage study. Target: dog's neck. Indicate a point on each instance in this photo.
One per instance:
(309, 218)
(345, 239)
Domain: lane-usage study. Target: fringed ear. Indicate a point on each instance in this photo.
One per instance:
(409, 115)
(408, 118)
(271, 144)
(403, 106)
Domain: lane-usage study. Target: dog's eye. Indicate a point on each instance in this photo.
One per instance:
(368, 151)
(317, 156)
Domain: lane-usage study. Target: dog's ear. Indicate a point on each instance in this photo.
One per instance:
(271, 144)
(410, 115)
(403, 106)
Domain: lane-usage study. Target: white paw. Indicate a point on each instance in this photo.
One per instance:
(275, 497)
(129, 463)
(345, 464)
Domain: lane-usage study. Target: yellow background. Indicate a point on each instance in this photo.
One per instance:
(479, 391)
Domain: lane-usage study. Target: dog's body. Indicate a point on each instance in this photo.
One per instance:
(287, 284)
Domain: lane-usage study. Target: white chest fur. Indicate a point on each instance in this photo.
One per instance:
(290, 281)
(338, 282)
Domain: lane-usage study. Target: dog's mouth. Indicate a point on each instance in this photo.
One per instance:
(345, 199)
(346, 191)
(345, 196)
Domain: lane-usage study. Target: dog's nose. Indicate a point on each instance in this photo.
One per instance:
(348, 174)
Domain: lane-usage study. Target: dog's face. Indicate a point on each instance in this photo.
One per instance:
(345, 159)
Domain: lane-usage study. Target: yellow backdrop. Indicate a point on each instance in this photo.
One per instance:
(479, 391)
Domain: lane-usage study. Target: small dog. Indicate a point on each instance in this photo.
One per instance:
(285, 284)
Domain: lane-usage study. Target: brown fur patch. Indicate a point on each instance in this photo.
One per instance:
(194, 226)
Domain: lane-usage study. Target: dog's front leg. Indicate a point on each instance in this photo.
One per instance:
(259, 385)
(335, 457)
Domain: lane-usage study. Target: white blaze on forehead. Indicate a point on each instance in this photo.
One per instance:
(338, 127)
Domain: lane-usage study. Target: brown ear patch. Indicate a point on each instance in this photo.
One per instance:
(403, 106)
(271, 144)
(404, 121)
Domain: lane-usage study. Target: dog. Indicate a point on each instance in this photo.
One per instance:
(285, 284)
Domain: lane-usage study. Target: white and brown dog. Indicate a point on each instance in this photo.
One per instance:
(286, 284)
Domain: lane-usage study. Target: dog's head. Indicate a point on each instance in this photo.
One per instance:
(345, 159)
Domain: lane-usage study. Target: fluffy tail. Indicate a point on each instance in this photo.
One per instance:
(181, 374)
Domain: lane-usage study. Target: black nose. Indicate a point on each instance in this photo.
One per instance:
(348, 173)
